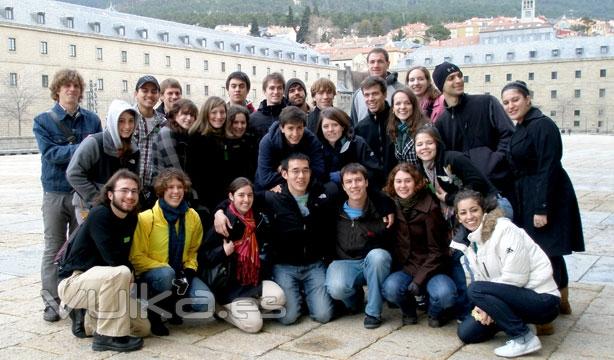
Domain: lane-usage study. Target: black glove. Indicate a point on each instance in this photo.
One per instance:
(413, 289)
(190, 274)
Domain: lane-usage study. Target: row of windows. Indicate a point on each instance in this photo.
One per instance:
(72, 52)
(553, 75)
(577, 93)
(510, 55)
(164, 37)
(531, 76)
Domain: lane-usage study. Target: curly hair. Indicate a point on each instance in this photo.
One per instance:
(166, 176)
(65, 77)
(419, 179)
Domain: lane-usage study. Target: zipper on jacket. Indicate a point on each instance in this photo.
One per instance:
(485, 269)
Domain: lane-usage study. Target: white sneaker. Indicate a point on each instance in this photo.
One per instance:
(519, 346)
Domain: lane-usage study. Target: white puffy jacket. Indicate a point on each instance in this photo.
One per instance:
(507, 256)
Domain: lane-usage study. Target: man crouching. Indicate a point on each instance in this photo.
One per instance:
(96, 274)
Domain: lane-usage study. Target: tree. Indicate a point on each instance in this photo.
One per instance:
(290, 21)
(301, 35)
(399, 36)
(254, 30)
(579, 28)
(15, 102)
(438, 32)
(316, 11)
(364, 27)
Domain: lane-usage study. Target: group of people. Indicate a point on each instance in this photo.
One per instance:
(289, 208)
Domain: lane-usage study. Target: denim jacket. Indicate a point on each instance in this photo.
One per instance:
(55, 149)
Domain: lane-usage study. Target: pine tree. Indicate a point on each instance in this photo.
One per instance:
(301, 35)
(290, 22)
(254, 30)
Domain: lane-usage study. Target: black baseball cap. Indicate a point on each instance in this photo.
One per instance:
(147, 79)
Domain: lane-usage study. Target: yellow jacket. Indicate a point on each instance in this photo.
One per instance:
(150, 245)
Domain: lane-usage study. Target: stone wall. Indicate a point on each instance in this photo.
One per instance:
(18, 145)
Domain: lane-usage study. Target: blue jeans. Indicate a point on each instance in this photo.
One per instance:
(457, 274)
(511, 307)
(160, 280)
(309, 280)
(506, 206)
(345, 278)
(440, 288)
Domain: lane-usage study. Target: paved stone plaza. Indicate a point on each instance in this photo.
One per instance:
(587, 333)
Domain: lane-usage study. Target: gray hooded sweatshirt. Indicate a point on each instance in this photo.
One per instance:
(89, 169)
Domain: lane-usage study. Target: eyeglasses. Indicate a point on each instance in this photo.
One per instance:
(127, 191)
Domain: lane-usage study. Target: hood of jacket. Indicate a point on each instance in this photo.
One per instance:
(391, 78)
(533, 114)
(487, 227)
(111, 140)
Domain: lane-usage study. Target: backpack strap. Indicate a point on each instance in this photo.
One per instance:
(68, 133)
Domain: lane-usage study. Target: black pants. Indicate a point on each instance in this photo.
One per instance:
(559, 271)
(511, 308)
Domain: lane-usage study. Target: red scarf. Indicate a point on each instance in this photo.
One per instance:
(248, 262)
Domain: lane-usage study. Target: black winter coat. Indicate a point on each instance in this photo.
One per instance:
(352, 150)
(313, 119)
(456, 172)
(355, 238)
(261, 120)
(211, 253)
(479, 127)
(543, 187)
(373, 129)
(298, 240)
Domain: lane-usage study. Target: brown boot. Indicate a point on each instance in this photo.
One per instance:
(565, 307)
(544, 329)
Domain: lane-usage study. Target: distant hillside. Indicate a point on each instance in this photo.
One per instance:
(345, 13)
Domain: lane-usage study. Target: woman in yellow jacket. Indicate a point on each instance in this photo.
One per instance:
(164, 251)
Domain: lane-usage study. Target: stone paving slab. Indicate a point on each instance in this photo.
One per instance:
(588, 345)
(601, 271)
(238, 342)
(579, 264)
(416, 341)
(334, 339)
(20, 352)
(22, 261)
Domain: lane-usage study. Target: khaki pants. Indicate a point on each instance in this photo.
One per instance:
(245, 313)
(104, 291)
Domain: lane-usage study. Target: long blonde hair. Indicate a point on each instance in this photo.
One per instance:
(202, 125)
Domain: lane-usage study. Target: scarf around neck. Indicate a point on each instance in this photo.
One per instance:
(176, 239)
(404, 148)
(248, 257)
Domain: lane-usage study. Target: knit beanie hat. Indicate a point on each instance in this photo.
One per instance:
(294, 81)
(442, 71)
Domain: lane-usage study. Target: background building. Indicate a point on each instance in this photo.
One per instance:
(572, 78)
(112, 50)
